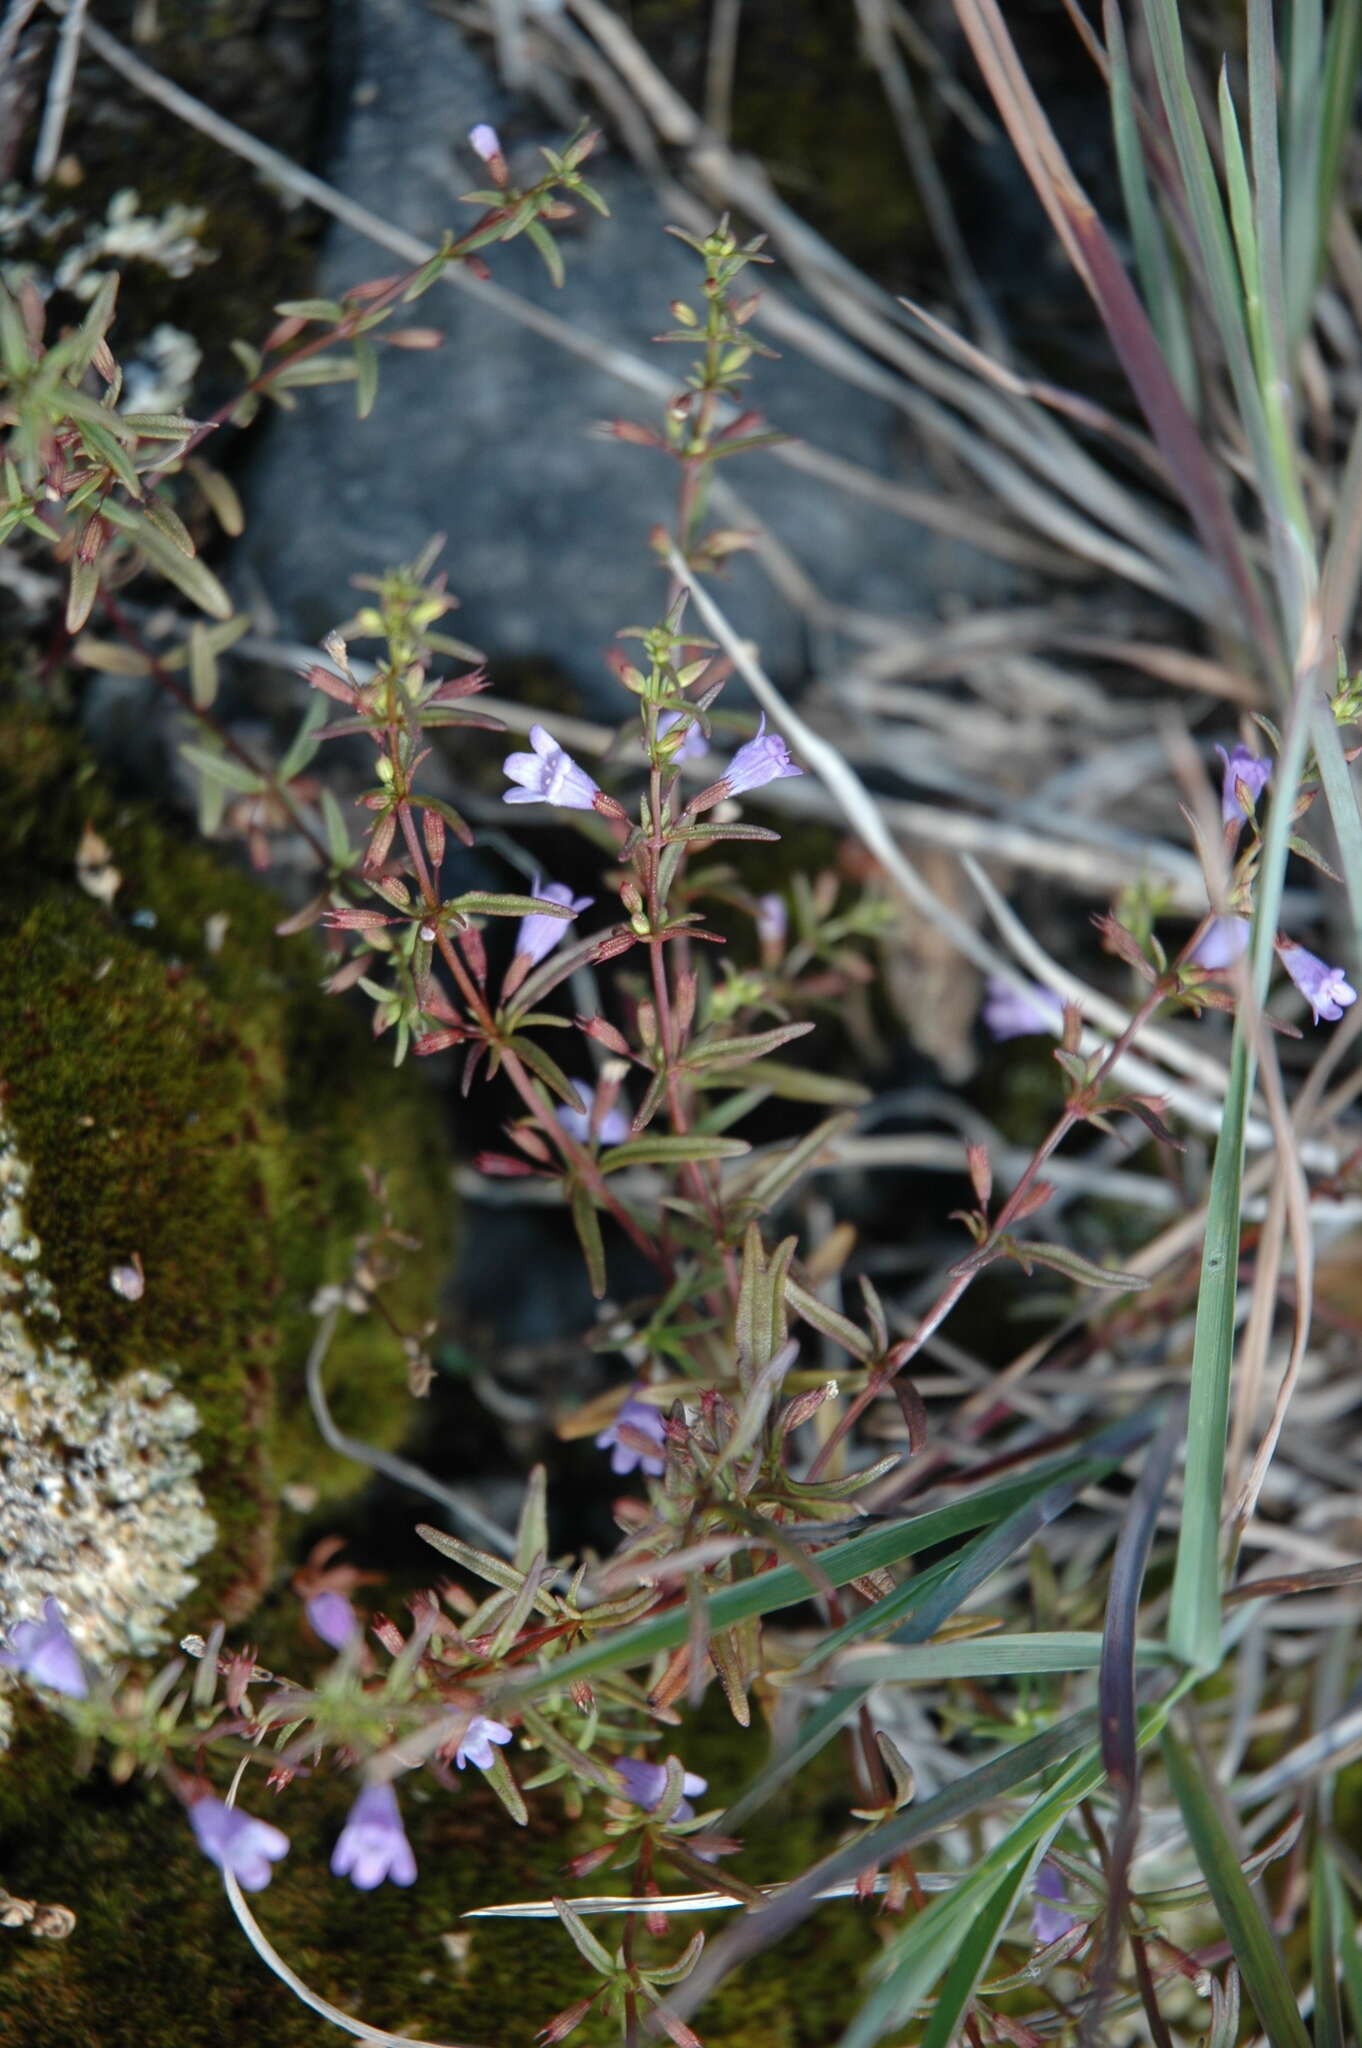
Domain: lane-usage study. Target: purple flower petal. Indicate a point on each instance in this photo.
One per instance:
(373, 1844)
(693, 747)
(1010, 1013)
(1050, 1915)
(331, 1617)
(645, 1784)
(538, 934)
(773, 920)
(644, 1420)
(475, 1746)
(615, 1125)
(1225, 942)
(1242, 768)
(764, 759)
(549, 776)
(1325, 988)
(236, 1842)
(43, 1652)
(485, 142)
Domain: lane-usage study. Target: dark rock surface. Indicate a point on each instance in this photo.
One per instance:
(488, 440)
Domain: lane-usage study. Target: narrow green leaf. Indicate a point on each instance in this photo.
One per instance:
(981, 1938)
(305, 742)
(81, 595)
(187, 573)
(999, 1656)
(1340, 793)
(1152, 259)
(588, 1227)
(671, 1149)
(778, 1174)
(549, 1072)
(735, 1052)
(314, 370)
(203, 668)
(102, 446)
(1344, 1922)
(310, 309)
(786, 1585)
(1324, 1954)
(830, 1321)
(220, 768)
(168, 523)
(160, 426)
(366, 376)
(1061, 1258)
(548, 249)
(1255, 1947)
(484, 903)
(791, 1084)
(1342, 58)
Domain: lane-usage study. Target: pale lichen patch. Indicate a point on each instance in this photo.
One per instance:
(99, 1501)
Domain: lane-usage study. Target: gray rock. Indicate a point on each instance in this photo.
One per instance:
(489, 439)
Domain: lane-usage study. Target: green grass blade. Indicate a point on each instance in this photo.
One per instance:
(1344, 1922)
(1246, 1928)
(1000, 1656)
(1216, 256)
(952, 2002)
(1194, 1613)
(1342, 58)
(827, 1718)
(1303, 84)
(787, 1585)
(1340, 793)
(1324, 1953)
(1153, 261)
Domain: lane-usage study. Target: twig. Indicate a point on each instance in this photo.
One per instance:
(12, 27)
(720, 63)
(59, 92)
(271, 1958)
(453, 1500)
(885, 55)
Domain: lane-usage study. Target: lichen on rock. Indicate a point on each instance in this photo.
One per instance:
(100, 1503)
(176, 1092)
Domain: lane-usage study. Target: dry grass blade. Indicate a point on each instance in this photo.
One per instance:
(1089, 249)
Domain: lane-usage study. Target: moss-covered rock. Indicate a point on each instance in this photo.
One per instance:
(176, 1088)
(155, 1956)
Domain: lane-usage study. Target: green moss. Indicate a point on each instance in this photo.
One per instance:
(156, 1956)
(264, 68)
(202, 1105)
(812, 109)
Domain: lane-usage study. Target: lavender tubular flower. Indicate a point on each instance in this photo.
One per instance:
(644, 1421)
(1050, 1915)
(548, 776)
(1225, 942)
(1325, 988)
(331, 1617)
(693, 747)
(475, 1744)
(237, 1843)
(762, 760)
(1010, 1013)
(614, 1127)
(373, 1845)
(645, 1784)
(773, 920)
(538, 934)
(1244, 771)
(485, 142)
(43, 1652)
